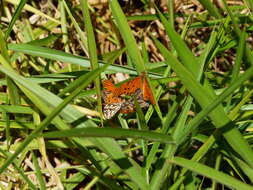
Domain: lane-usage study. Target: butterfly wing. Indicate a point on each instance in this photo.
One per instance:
(129, 87)
(129, 105)
(140, 99)
(109, 86)
(111, 109)
(147, 92)
(111, 104)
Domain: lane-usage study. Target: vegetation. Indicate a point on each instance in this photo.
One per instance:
(199, 62)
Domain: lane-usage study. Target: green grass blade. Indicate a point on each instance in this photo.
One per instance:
(204, 98)
(218, 116)
(250, 5)
(208, 144)
(238, 32)
(127, 164)
(74, 181)
(111, 132)
(72, 86)
(71, 115)
(181, 48)
(211, 173)
(34, 11)
(194, 123)
(92, 51)
(78, 29)
(12, 88)
(20, 170)
(186, 76)
(64, 30)
(65, 57)
(212, 9)
(127, 36)
(130, 42)
(239, 56)
(38, 172)
(3, 46)
(16, 109)
(15, 17)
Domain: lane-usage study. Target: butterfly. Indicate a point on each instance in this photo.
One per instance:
(129, 88)
(114, 104)
(115, 97)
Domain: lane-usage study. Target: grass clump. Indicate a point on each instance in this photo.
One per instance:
(198, 59)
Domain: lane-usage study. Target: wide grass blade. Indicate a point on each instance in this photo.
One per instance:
(181, 48)
(211, 173)
(111, 132)
(65, 57)
(194, 123)
(127, 36)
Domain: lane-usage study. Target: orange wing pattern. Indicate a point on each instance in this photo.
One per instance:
(109, 86)
(114, 99)
(129, 87)
(147, 92)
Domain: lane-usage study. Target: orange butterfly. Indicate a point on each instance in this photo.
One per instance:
(115, 101)
(114, 104)
(129, 88)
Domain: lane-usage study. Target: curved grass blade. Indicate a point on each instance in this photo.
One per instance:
(111, 132)
(181, 48)
(211, 173)
(68, 58)
(218, 116)
(201, 115)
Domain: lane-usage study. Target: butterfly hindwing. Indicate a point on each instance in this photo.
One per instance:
(111, 109)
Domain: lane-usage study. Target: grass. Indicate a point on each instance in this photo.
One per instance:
(199, 64)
